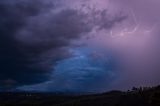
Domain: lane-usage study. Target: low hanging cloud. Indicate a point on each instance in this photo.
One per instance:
(85, 72)
(34, 35)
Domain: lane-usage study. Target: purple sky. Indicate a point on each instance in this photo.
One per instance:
(79, 45)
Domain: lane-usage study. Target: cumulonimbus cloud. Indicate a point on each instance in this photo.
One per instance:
(35, 34)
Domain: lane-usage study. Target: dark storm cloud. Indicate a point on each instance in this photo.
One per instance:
(87, 71)
(33, 36)
(30, 36)
(13, 61)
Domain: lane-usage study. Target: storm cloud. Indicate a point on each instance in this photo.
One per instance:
(88, 71)
(34, 35)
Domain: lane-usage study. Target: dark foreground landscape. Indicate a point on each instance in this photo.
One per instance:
(135, 97)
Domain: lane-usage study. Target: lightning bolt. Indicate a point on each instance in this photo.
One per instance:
(136, 22)
(126, 31)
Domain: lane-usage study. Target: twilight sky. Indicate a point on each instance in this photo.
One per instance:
(79, 45)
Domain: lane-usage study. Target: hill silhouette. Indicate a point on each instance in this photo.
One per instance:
(143, 96)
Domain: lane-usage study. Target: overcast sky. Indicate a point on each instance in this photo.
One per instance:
(79, 46)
